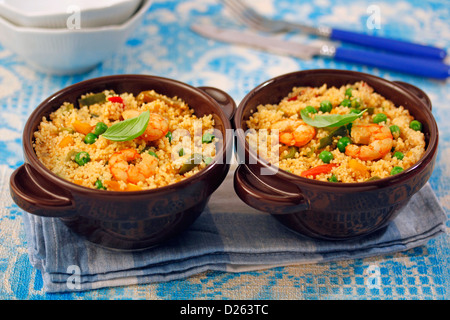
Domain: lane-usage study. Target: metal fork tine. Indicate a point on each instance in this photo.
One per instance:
(242, 9)
(237, 9)
(252, 18)
(245, 14)
(239, 14)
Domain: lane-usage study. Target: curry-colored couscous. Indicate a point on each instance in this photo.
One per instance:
(120, 142)
(346, 134)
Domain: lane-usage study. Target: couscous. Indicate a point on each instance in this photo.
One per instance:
(346, 134)
(120, 142)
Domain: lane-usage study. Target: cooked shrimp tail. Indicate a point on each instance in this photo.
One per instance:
(157, 127)
(122, 168)
(294, 132)
(376, 142)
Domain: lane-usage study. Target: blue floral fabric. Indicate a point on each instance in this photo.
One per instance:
(164, 45)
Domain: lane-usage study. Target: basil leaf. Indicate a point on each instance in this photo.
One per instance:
(128, 129)
(341, 131)
(330, 120)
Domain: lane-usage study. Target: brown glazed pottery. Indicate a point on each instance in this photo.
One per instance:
(327, 210)
(124, 220)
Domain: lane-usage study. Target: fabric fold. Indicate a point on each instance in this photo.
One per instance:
(223, 238)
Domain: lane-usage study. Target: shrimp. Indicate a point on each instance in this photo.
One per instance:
(123, 170)
(157, 126)
(377, 141)
(294, 132)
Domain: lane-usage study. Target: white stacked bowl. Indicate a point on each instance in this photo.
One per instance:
(82, 39)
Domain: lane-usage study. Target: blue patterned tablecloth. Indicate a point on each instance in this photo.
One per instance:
(163, 45)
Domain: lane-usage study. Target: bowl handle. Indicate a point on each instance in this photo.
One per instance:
(416, 91)
(33, 193)
(259, 195)
(222, 98)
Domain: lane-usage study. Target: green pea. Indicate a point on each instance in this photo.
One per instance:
(169, 136)
(325, 106)
(99, 185)
(348, 92)
(90, 138)
(396, 170)
(379, 117)
(326, 156)
(415, 125)
(346, 103)
(356, 103)
(152, 153)
(100, 128)
(354, 111)
(342, 143)
(207, 137)
(398, 155)
(81, 158)
(333, 178)
(207, 160)
(395, 130)
(310, 109)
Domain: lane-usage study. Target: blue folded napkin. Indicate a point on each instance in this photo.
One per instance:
(224, 238)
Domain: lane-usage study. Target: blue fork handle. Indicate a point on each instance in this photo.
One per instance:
(418, 66)
(397, 46)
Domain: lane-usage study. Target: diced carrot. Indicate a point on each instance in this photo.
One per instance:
(67, 140)
(358, 167)
(133, 187)
(79, 182)
(115, 186)
(325, 168)
(82, 127)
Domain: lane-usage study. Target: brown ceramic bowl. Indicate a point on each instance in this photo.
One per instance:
(124, 220)
(329, 210)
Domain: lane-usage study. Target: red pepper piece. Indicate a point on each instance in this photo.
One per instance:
(292, 98)
(116, 99)
(325, 168)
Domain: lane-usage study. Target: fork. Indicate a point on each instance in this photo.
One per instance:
(246, 15)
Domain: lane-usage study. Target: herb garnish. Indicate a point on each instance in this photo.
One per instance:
(128, 129)
(330, 120)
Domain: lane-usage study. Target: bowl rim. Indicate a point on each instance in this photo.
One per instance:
(34, 162)
(94, 6)
(395, 179)
(138, 14)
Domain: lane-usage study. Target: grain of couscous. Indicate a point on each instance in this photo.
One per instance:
(346, 134)
(120, 142)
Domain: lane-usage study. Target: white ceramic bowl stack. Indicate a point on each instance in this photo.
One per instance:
(68, 36)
